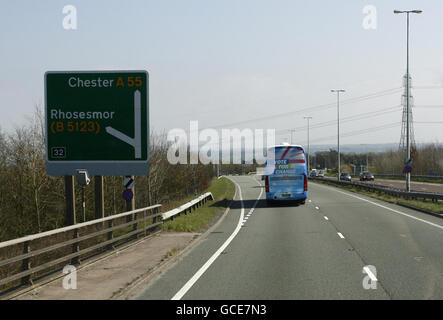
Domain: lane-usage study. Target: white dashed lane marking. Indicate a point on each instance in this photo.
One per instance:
(340, 235)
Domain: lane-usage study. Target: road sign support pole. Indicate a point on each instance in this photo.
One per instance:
(130, 205)
(70, 218)
(84, 203)
(99, 197)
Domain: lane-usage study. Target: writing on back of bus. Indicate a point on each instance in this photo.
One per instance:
(287, 161)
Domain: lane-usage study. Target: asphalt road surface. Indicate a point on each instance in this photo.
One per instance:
(339, 245)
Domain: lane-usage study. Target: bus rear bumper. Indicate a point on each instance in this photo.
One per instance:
(294, 197)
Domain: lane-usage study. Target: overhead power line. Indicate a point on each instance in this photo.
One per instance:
(366, 115)
(428, 87)
(428, 122)
(415, 107)
(359, 132)
(313, 108)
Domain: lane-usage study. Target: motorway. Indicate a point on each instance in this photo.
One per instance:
(415, 186)
(339, 245)
(401, 184)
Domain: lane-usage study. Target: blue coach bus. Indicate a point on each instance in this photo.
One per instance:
(286, 174)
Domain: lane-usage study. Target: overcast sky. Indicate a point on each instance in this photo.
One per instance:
(245, 64)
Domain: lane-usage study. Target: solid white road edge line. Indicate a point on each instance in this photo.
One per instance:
(188, 285)
(384, 207)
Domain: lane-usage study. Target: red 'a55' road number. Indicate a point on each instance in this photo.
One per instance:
(130, 82)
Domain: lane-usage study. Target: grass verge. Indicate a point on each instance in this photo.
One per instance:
(170, 253)
(223, 191)
(413, 179)
(434, 207)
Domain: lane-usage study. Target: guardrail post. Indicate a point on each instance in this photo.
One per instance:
(75, 248)
(156, 219)
(144, 222)
(134, 226)
(26, 264)
(110, 235)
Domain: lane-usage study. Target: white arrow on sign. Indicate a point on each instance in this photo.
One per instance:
(136, 142)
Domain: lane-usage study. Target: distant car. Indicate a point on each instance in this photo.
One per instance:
(313, 174)
(366, 176)
(321, 174)
(345, 177)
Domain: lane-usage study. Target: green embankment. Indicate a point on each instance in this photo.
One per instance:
(223, 191)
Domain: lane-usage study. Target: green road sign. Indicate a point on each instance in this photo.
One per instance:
(98, 121)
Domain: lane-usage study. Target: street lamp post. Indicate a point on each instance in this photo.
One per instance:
(338, 128)
(292, 131)
(309, 150)
(367, 156)
(408, 118)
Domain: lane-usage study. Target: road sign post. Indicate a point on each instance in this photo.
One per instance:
(97, 120)
(70, 217)
(99, 197)
(128, 195)
(407, 169)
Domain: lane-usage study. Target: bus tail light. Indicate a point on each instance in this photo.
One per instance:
(306, 183)
(267, 183)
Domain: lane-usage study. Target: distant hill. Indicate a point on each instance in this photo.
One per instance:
(356, 148)
(359, 148)
(348, 148)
